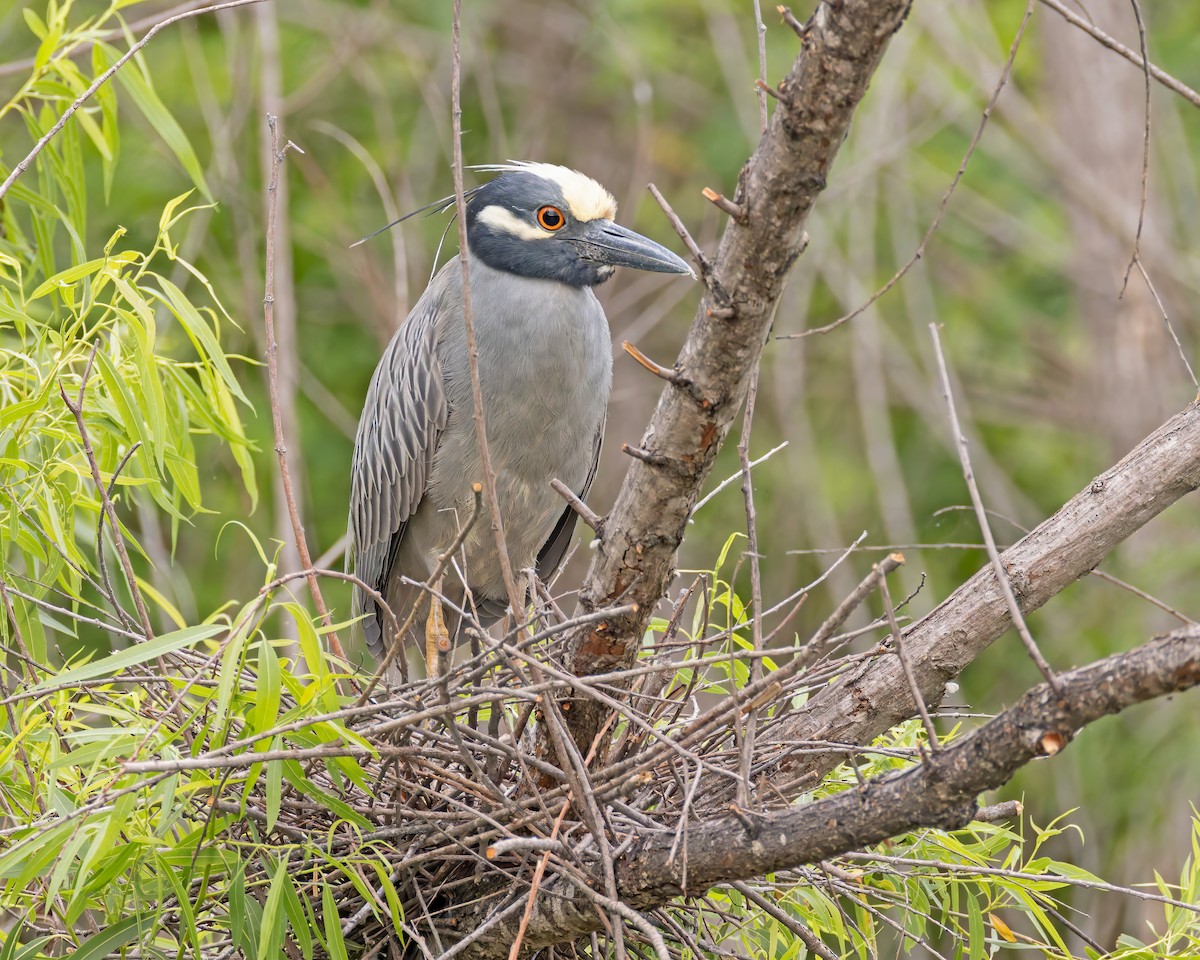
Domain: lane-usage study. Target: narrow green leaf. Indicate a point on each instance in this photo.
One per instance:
(110, 939)
(202, 337)
(160, 118)
(298, 920)
(274, 919)
(131, 656)
(334, 941)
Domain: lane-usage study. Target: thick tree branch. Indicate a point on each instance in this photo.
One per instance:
(939, 792)
(777, 189)
(867, 701)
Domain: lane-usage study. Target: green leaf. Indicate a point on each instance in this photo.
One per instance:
(274, 920)
(131, 656)
(110, 939)
(334, 942)
(202, 337)
(160, 118)
(72, 275)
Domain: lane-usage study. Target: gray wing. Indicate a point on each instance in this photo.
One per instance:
(551, 556)
(404, 413)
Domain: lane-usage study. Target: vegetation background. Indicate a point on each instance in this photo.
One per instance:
(1058, 374)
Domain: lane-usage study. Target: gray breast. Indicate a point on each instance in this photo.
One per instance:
(545, 359)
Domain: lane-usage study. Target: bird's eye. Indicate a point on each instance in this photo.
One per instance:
(551, 218)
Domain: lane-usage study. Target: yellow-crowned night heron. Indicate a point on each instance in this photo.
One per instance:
(540, 237)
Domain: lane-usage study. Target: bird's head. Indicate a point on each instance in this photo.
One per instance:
(553, 223)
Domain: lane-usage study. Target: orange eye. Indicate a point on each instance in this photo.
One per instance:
(551, 218)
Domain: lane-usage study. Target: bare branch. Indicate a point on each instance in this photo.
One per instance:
(777, 189)
(1164, 78)
(960, 443)
(278, 155)
(485, 457)
(1159, 471)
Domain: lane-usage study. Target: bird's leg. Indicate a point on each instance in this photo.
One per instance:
(437, 638)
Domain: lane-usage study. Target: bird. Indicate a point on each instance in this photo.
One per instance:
(540, 238)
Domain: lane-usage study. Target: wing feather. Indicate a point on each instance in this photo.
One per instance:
(403, 416)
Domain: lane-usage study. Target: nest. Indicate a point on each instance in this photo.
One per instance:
(469, 797)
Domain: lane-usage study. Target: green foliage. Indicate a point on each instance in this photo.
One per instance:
(110, 326)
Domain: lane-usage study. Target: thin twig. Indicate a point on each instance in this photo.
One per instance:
(1164, 78)
(746, 747)
(481, 439)
(810, 939)
(960, 442)
(106, 503)
(722, 202)
(733, 477)
(945, 201)
(670, 374)
(1136, 256)
(1167, 320)
(278, 156)
(760, 29)
(439, 570)
(1124, 585)
(786, 15)
(693, 247)
(575, 502)
(906, 664)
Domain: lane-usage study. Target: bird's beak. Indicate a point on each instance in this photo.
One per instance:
(602, 241)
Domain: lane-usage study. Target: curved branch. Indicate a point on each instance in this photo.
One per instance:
(867, 701)
(940, 792)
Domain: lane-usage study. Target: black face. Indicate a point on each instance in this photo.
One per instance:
(521, 223)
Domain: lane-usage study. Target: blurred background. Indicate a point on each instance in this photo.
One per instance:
(1057, 375)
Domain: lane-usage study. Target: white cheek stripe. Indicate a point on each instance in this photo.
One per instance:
(503, 219)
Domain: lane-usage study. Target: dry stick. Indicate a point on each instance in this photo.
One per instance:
(1000, 811)
(746, 745)
(575, 502)
(761, 29)
(906, 664)
(763, 691)
(786, 15)
(115, 33)
(106, 503)
(1135, 257)
(737, 476)
(722, 202)
(460, 205)
(107, 75)
(273, 382)
(960, 442)
(945, 201)
(1149, 598)
(748, 727)
(693, 247)
(670, 374)
(541, 867)
(1167, 320)
(1168, 81)
(107, 588)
